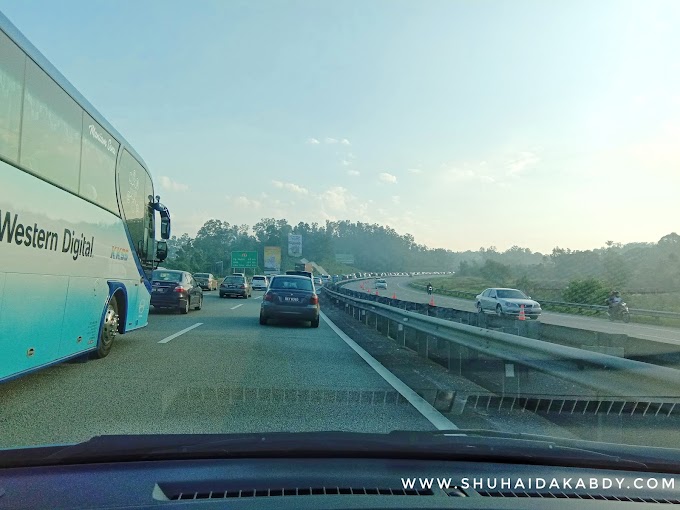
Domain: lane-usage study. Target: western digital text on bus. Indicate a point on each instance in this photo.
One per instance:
(33, 237)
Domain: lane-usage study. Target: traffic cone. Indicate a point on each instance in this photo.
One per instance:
(432, 301)
(376, 293)
(522, 317)
(394, 295)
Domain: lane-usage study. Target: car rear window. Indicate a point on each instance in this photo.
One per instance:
(258, 278)
(201, 275)
(234, 279)
(292, 283)
(167, 276)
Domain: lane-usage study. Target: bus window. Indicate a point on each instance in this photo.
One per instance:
(98, 165)
(12, 62)
(51, 131)
(135, 186)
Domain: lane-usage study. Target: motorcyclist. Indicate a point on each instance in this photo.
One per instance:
(429, 288)
(614, 301)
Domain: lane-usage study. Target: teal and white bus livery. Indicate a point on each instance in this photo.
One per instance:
(77, 219)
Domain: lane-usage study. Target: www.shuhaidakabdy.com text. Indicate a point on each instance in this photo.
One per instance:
(526, 484)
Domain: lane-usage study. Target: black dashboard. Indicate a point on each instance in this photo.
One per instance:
(335, 483)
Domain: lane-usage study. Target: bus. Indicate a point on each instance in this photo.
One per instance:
(78, 219)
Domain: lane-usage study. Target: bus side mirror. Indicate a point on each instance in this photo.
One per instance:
(161, 251)
(165, 227)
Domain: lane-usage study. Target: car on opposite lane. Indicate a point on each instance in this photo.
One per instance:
(504, 301)
(380, 283)
(175, 290)
(207, 281)
(235, 286)
(259, 282)
(290, 297)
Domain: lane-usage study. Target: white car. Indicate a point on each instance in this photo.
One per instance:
(503, 302)
(380, 283)
(259, 282)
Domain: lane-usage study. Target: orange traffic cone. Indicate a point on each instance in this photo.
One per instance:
(394, 295)
(376, 293)
(432, 301)
(522, 317)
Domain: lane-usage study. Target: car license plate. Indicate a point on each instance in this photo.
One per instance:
(289, 299)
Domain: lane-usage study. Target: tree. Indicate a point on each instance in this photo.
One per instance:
(495, 272)
(589, 291)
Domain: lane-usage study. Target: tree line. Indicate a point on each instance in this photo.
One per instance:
(645, 267)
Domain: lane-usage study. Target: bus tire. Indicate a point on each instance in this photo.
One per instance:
(109, 329)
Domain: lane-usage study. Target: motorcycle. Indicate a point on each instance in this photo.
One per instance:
(429, 290)
(619, 312)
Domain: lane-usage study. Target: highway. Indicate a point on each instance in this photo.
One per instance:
(227, 374)
(218, 371)
(399, 285)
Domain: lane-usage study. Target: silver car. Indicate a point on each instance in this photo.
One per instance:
(504, 301)
(206, 280)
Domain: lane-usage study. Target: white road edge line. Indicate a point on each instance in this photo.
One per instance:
(422, 406)
(258, 297)
(185, 330)
(235, 307)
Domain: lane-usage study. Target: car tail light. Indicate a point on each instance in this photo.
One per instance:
(179, 288)
(268, 297)
(243, 286)
(314, 300)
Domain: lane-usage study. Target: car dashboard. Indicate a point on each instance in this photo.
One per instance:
(336, 483)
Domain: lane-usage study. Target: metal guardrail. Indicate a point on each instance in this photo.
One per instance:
(598, 308)
(609, 376)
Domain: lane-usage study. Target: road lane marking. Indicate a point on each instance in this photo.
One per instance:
(235, 307)
(185, 330)
(257, 297)
(421, 405)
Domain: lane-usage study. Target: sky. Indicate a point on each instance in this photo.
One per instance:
(464, 123)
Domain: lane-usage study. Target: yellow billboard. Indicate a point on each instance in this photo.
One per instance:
(272, 259)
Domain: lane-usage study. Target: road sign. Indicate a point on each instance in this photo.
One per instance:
(244, 259)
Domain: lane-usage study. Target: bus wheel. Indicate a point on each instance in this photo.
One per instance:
(109, 329)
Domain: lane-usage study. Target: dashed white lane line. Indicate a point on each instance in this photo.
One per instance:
(422, 406)
(185, 330)
(235, 307)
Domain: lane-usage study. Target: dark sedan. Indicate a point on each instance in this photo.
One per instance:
(176, 290)
(290, 297)
(235, 285)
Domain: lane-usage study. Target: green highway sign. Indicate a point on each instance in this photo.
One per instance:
(244, 259)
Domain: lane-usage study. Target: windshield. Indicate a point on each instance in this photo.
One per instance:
(167, 276)
(439, 159)
(510, 294)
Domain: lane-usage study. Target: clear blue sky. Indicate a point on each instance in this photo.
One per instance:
(466, 124)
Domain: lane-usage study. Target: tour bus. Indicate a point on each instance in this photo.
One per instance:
(77, 219)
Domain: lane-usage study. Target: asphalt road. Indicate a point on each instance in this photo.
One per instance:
(400, 287)
(227, 374)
